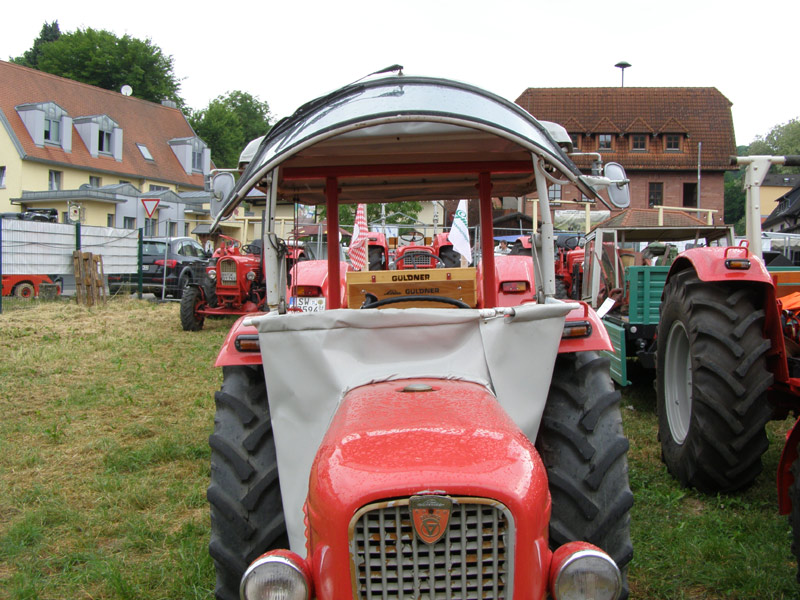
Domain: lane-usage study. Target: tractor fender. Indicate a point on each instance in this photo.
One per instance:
(229, 355)
(709, 264)
(785, 477)
(597, 340)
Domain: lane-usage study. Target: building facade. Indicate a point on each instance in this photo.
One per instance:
(93, 155)
(675, 143)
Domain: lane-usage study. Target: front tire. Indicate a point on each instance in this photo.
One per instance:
(244, 494)
(191, 302)
(24, 291)
(712, 382)
(585, 453)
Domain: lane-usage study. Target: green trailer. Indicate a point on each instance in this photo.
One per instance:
(626, 262)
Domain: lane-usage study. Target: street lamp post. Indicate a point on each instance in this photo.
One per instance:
(622, 65)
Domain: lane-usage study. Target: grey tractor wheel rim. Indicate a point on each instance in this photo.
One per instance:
(678, 382)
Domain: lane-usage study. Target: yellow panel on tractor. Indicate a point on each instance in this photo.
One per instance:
(458, 284)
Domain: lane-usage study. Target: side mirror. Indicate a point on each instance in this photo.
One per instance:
(221, 186)
(619, 191)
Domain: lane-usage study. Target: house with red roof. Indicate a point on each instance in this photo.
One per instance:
(675, 143)
(94, 155)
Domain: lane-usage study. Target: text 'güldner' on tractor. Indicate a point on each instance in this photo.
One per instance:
(413, 451)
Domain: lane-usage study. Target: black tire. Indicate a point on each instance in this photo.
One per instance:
(712, 382)
(191, 301)
(577, 281)
(24, 291)
(244, 494)
(183, 281)
(585, 453)
(561, 289)
(794, 515)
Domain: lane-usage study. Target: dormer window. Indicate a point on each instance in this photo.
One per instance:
(193, 154)
(47, 123)
(52, 130)
(672, 142)
(101, 134)
(104, 141)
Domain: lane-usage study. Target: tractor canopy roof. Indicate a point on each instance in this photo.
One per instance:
(398, 137)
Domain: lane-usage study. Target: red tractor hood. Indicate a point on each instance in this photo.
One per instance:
(453, 439)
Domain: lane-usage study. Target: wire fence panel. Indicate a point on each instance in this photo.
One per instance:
(36, 257)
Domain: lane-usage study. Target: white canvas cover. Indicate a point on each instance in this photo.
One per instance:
(312, 359)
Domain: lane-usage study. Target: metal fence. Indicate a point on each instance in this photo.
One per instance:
(36, 258)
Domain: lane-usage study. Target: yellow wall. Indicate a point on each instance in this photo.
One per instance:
(9, 158)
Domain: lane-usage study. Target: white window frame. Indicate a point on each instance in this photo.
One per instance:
(54, 180)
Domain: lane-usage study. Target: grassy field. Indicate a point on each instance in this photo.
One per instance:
(105, 419)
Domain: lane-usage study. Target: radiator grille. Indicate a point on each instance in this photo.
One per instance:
(416, 260)
(473, 560)
(227, 271)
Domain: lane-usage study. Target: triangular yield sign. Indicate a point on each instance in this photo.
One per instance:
(150, 205)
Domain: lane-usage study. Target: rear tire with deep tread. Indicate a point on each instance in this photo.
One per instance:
(712, 382)
(584, 450)
(244, 495)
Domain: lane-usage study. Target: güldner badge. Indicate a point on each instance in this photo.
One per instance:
(430, 515)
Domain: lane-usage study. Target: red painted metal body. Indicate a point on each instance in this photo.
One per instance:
(470, 448)
(11, 283)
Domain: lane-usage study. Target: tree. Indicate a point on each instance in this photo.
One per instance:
(50, 33)
(781, 140)
(100, 58)
(228, 123)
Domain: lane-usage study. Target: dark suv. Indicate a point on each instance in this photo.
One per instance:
(183, 258)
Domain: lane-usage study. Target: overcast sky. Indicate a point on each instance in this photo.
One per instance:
(286, 53)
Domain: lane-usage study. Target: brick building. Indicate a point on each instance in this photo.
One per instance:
(673, 142)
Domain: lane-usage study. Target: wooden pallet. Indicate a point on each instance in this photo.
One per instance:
(90, 279)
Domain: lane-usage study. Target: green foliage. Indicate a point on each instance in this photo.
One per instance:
(50, 33)
(229, 123)
(397, 213)
(781, 140)
(102, 59)
(734, 196)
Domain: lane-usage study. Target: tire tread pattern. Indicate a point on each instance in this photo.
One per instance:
(585, 453)
(244, 494)
(726, 437)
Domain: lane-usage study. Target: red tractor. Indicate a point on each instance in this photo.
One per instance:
(727, 363)
(26, 287)
(233, 284)
(426, 432)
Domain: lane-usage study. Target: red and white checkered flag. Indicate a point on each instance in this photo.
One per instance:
(358, 245)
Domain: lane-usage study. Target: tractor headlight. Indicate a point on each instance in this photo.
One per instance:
(278, 575)
(251, 275)
(580, 571)
(212, 274)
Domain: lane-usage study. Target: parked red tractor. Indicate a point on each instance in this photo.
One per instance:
(412, 451)
(232, 284)
(727, 364)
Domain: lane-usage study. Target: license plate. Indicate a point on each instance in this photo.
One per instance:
(146, 267)
(307, 304)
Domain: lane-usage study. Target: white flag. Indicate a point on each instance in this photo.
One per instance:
(459, 233)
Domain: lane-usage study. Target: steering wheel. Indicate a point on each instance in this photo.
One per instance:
(371, 301)
(572, 242)
(411, 237)
(251, 249)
